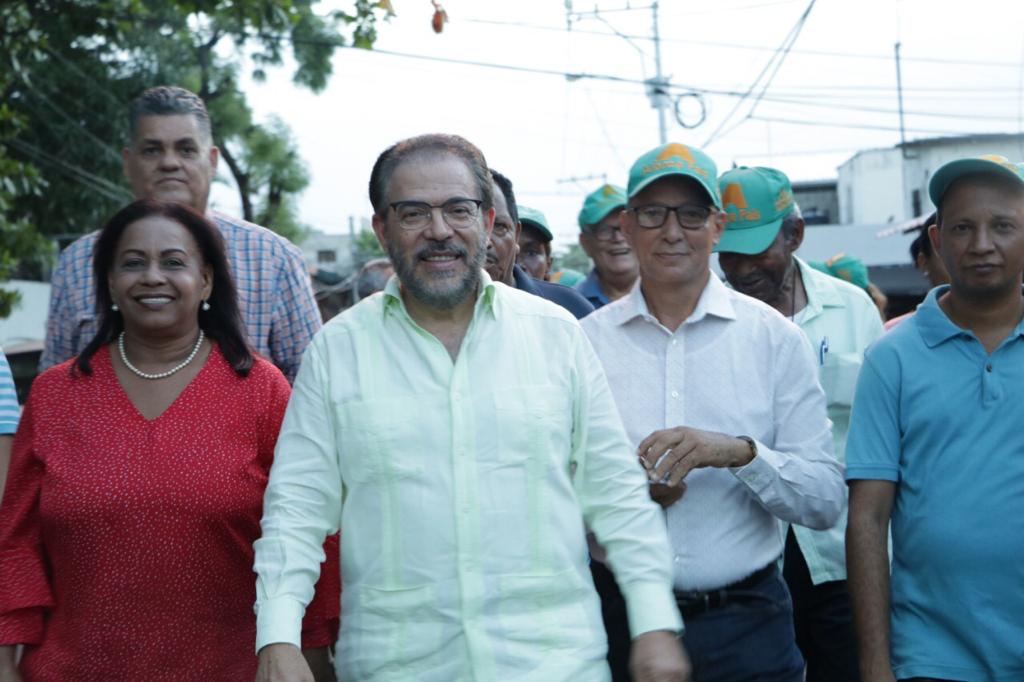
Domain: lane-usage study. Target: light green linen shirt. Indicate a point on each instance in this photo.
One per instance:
(840, 321)
(461, 490)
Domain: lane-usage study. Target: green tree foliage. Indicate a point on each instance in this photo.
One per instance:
(367, 246)
(69, 68)
(573, 258)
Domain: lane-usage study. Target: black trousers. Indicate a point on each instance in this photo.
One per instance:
(616, 620)
(822, 620)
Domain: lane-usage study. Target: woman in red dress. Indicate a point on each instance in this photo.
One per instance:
(137, 475)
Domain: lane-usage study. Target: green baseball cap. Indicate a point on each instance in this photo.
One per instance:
(845, 267)
(600, 203)
(675, 159)
(531, 216)
(954, 170)
(755, 200)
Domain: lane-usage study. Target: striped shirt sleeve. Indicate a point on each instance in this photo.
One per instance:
(8, 400)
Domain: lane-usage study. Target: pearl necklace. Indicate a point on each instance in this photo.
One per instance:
(158, 375)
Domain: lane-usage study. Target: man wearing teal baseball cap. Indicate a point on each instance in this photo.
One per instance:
(721, 395)
(534, 243)
(935, 451)
(757, 253)
(615, 268)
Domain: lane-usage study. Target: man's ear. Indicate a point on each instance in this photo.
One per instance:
(380, 229)
(797, 238)
(935, 237)
(717, 227)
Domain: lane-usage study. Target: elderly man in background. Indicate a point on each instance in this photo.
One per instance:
(720, 395)
(171, 157)
(503, 246)
(461, 432)
(601, 237)
(757, 253)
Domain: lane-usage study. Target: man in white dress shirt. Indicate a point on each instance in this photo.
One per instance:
(461, 431)
(720, 393)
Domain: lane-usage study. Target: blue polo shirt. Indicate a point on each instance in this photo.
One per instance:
(938, 416)
(590, 289)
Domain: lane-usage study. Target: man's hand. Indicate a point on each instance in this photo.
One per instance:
(658, 657)
(667, 495)
(282, 663)
(685, 449)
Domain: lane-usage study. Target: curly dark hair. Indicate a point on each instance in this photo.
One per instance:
(222, 323)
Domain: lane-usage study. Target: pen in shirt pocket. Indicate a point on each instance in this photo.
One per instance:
(822, 350)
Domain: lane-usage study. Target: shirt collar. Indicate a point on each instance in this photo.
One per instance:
(591, 288)
(486, 298)
(820, 288)
(936, 327)
(715, 300)
(523, 281)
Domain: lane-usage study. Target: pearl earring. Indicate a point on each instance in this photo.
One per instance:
(206, 305)
(113, 306)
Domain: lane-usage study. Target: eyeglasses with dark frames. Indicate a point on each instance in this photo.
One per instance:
(458, 213)
(690, 216)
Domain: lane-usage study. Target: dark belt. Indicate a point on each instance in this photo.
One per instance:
(693, 603)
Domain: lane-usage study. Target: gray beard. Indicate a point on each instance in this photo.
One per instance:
(428, 293)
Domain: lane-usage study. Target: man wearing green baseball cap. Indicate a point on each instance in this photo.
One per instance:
(757, 253)
(615, 268)
(935, 451)
(721, 395)
(534, 243)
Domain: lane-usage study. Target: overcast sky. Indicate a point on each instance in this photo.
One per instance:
(834, 94)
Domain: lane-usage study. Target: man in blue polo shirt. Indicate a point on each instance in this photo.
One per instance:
(935, 447)
(601, 238)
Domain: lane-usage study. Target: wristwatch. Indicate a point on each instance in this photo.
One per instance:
(750, 444)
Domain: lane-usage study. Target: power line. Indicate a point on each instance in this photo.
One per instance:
(742, 46)
(776, 61)
(856, 126)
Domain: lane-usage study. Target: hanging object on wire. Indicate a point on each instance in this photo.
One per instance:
(699, 98)
(440, 17)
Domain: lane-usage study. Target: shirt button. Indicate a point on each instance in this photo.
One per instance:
(675, 342)
(988, 367)
(675, 394)
(677, 559)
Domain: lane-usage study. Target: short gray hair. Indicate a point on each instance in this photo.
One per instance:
(169, 100)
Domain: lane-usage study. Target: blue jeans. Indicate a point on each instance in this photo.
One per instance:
(750, 637)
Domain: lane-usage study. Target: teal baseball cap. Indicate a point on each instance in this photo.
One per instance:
(600, 203)
(675, 159)
(954, 170)
(754, 200)
(845, 267)
(533, 217)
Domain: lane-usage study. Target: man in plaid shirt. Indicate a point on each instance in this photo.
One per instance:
(171, 157)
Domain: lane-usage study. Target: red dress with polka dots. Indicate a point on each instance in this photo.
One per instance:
(126, 543)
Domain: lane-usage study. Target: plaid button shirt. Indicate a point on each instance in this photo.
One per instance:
(274, 295)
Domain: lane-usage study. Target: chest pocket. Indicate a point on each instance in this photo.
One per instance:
(533, 423)
(379, 439)
(839, 377)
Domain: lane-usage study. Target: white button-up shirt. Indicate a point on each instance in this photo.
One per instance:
(461, 490)
(737, 367)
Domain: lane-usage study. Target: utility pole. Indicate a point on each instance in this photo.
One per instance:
(658, 86)
(899, 95)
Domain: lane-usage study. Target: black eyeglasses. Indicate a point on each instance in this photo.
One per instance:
(690, 216)
(458, 213)
(604, 233)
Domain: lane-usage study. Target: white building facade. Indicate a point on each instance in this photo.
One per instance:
(885, 186)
